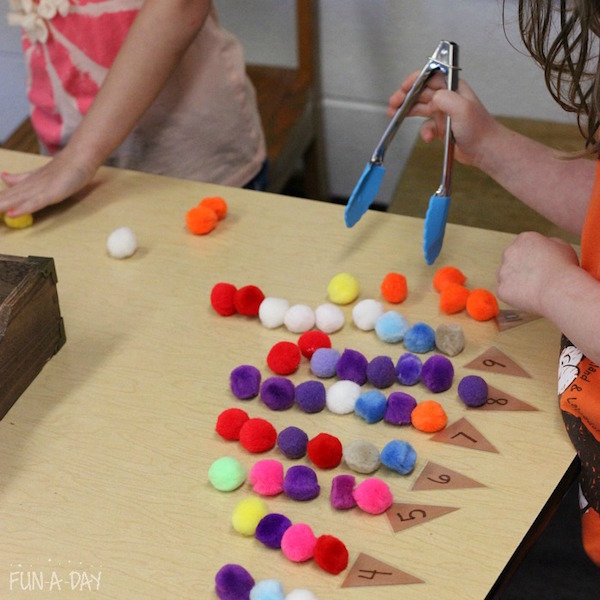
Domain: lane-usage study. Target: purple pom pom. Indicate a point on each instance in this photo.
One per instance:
(342, 487)
(399, 408)
(352, 366)
(292, 441)
(381, 372)
(270, 529)
(233, 582)
(437, 373)
(277, 393)
(311, 396)
(408, 369)
(324, 361)
(473, 390)
(244, 382)
(301, 483)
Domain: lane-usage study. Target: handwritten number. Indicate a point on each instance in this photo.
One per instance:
(465, 435)
(488, 362)
(442, 478)
(413, 514)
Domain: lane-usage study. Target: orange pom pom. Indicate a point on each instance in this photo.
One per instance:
(428, 416)
(446, 275)
(393, 288)
(482, 305)
(217, 204)
(201, 220)
(453, 298)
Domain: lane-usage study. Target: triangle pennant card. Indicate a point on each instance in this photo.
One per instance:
(499, 400)
(462, 433)
(495, 361)
(435, 477)
(368, 571)
(403, 516)
(510, 318)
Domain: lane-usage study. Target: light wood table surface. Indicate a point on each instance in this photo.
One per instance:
(105, 456)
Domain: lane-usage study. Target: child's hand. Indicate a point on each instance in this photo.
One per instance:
(50, 184)
(531, 267)
(472, 124)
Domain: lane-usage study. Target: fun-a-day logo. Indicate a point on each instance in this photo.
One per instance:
(54, 576)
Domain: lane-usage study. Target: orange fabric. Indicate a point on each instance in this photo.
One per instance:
(590, 237)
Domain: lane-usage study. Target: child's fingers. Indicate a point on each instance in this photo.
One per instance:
(11, 179)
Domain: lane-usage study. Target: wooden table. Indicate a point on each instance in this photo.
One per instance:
(105, 456)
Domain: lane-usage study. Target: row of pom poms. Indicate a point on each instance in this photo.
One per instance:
(251, 517)
(204, 217)
(301, 483)
(226, 299)
(234, 582)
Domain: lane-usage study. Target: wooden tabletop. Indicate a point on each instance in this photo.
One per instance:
(105, 456)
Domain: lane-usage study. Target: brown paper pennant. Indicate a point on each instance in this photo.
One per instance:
(462, 433)
(403, 516)
(436, 477)
(510, 318)
(499, 400)
(368, 571)
(495, 361)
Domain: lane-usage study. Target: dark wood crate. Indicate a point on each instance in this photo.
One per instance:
(31, 327)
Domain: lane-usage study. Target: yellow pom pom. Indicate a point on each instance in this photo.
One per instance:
(247, 515)
(343, 289)
(20, 222)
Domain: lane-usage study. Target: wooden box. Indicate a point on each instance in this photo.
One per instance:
(31, 328)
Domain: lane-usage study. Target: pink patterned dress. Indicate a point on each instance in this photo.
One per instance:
(204, 125)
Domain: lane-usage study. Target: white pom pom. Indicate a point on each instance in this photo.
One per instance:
(299, 318)
(366, 313)
(301, 595)
(271, 312)
(329, 318)
(342, 396)
(121, 243)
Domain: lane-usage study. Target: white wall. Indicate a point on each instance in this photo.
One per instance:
(13, 100)
(367, 48)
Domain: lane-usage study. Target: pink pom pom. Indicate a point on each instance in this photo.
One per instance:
(373, 496)
(298, 543)
(266, 477)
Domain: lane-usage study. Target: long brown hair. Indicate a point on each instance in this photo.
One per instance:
(562, 37)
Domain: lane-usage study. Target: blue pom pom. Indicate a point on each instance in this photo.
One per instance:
(399, 456)
(371, 406)
(420, 338)
(408, 369)
(391, 327)
(267, 589)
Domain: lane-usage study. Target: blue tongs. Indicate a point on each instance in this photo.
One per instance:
(445, 60)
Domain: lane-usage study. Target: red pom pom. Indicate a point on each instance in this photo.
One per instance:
(247, 300)
(284, 358)
(258, 435)
(330, 554)
(310, 341)
(229, 423)
(221, 299)
(325, 451)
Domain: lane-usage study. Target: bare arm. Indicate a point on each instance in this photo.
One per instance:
(556, 187)
(158, 38)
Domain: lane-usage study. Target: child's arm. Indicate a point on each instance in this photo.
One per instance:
(556, 187)
(158, 38)
(543, 276)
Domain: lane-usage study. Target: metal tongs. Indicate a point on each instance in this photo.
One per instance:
(445, 60)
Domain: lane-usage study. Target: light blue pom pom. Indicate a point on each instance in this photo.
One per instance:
(420, 338)
(391, 327)
(370, 406)
(323, 362)
(267, 589)
(399, 456)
